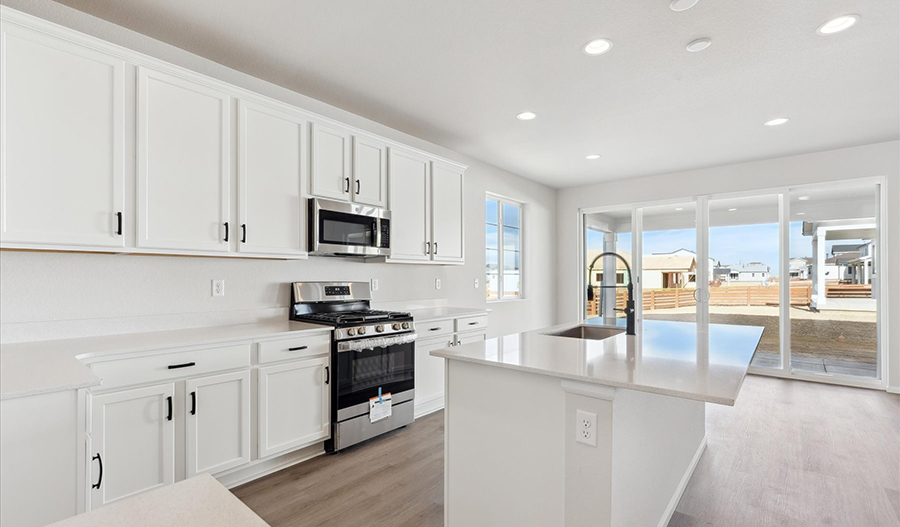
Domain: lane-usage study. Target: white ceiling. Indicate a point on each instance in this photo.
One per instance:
(457, 72)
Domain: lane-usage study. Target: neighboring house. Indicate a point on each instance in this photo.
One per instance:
(686, 252)
(800, 268)
(751, 272)
(850, 262)
(660, 271)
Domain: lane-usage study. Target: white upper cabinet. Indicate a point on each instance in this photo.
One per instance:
(61, 152)
(183, 160)
(447, 200)
(217, 422)
(410, 202)
(369, 172)
(132, 443)
(330, 162)
(273, 157)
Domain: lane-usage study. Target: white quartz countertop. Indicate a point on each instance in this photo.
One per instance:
(197, 502)
(443, 313)
(667, 358)
(34, 368)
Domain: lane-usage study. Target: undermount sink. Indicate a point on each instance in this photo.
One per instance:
(588, 332)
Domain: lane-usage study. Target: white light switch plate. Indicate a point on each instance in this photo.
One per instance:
(437, 283)
(374, 284)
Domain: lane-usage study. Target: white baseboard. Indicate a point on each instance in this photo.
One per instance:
(679, 490)
(429, 407)
(891, 389)
(264, 467)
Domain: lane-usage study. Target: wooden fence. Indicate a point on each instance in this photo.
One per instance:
(848, 291)
(755, 295)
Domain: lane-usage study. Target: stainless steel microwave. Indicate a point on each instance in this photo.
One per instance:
(348, 229)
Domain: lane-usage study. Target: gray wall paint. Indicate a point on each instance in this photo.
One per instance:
(55, 295)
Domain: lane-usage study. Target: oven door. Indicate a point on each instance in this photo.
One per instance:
(360, 374)
(348, 229)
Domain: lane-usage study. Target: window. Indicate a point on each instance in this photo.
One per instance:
(503, 252)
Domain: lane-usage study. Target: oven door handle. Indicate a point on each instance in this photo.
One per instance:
(375, 342)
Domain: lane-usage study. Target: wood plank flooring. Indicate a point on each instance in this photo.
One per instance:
(789, 453)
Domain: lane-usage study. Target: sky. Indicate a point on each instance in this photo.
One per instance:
(728, 245)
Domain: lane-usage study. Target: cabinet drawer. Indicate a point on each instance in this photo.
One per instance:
(426, 330)
(468, 338)
(159, 368)
(294, 348)
(476, 323)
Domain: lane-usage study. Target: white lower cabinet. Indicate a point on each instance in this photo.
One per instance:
(430, 375)
(294, 405)
(132, 443)
(217, 422)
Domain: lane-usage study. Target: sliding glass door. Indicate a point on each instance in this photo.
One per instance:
(802, 262)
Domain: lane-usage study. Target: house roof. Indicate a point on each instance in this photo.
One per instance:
(665, 262)
(593, 253)
(841, 259)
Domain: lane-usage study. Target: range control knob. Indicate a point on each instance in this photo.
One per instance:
(379, 328)
(361, 331)
(351, 332)
(395, 326)
(406, 325)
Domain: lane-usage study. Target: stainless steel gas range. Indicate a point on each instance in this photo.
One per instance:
(372, 356)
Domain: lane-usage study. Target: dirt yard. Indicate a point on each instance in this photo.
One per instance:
(836, 335)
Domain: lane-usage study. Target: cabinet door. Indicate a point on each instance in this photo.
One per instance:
(133, 443)
(330, 162)
(271, 175)
(61, 155)
(184, 172)
(447, 213)
(430, 375)
(217, 422)
(294, 402)
(410, 204)
(369, 172)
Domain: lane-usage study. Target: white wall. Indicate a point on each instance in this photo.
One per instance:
(882, 159)
(57, 295)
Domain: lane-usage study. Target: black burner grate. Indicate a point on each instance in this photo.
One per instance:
(353, 317)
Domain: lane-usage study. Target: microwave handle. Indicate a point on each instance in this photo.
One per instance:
(377, 227)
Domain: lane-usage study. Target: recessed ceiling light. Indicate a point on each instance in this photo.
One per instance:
(679, 208)
(593, 156)
(803, 198)
(731, 210)
(836, 25)
(776, 122)
(682, 5)
(526, 116)
(598, 47)
(801, 213)
(699, 45)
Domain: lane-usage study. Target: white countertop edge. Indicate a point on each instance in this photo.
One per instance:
(463, 313)
(449, 354)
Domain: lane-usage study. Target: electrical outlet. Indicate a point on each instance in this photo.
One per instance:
(218, 288)
(437, 283)
(586, 428)
(374, 284)
(476, 283)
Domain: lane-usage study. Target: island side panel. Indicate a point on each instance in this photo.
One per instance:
(657, 441)
(505, 451)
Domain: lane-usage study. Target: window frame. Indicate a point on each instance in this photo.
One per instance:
(503, 200)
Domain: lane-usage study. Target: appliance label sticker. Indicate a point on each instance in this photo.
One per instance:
(379, 407)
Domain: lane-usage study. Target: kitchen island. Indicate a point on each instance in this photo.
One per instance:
(512, 455)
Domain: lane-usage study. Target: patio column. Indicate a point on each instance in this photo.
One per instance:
(818, 247)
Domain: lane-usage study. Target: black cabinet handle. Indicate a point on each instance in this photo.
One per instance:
(357, 186)
(298, 348)
(427, 247)
(243, 233)
(169, 402)
(473, 323)
(100, 479)
(327, 375)
(194, 402)
(347, 188)
(185, 365)
(435, 247)
(119, 220)
(434, 329)
(226, 231)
